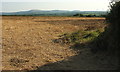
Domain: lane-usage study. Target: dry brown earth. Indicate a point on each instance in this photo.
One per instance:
(27, 44)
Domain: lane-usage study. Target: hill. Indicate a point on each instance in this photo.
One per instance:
(53, 12)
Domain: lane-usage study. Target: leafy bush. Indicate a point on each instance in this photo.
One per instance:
(109, 40)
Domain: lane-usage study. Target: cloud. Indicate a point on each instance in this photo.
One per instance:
(37, 0)
(115, 0)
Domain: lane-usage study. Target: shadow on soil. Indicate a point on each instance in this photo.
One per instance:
(84, 60)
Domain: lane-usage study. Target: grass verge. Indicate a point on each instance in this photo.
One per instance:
(78, 37)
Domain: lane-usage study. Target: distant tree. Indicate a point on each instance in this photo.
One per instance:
(79, 15)
(76, 15)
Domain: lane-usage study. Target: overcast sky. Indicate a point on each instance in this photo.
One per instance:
(83, 5)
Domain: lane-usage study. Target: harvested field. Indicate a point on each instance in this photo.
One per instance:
(27, 44)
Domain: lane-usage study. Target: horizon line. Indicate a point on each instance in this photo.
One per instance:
(52, 10)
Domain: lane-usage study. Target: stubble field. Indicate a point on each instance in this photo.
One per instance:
(28, 43)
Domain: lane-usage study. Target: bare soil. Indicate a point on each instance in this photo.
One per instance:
(27, 44)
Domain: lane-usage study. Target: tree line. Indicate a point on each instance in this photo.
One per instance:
(89, 15)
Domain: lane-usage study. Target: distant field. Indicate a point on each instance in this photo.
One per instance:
(28, 45)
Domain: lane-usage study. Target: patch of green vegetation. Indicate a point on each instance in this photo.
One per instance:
(79, 37)
(90, 35)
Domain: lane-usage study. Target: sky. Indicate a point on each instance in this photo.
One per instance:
(82, 5)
